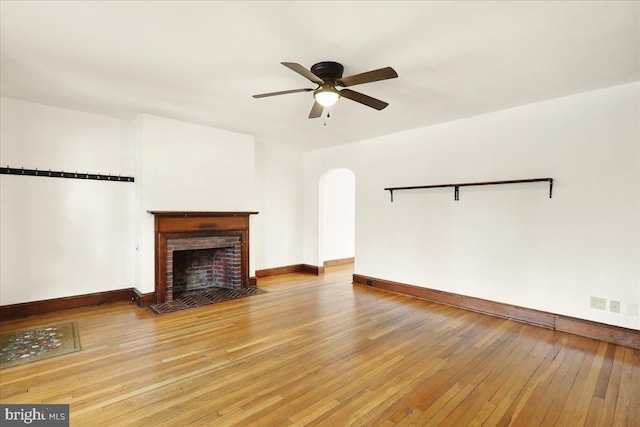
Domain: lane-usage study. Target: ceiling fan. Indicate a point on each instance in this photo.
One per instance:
(328, 76)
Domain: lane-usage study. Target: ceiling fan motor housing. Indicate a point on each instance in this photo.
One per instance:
(328, 70)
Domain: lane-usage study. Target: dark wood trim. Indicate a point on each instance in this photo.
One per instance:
(253, 281)
(313, 269)
(288, 269)
(277, 271)
(599, 331)
(17, 311)
(337, 262)
(143, 300)
(190, 214)
(521, 314)
(160, 266)
(587, 328)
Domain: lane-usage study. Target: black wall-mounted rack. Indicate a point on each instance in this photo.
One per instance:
(63, 174)
(456, 192)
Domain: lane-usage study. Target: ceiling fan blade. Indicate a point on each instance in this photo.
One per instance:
(316, 111)
(283, 92)
(303, 72)
(363, 99)
(369, 76)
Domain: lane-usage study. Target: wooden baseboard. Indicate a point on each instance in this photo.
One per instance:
(288, 269)
(338, 262)
(313, 269)
(17, 311)
(143, 300)
(277, 271)
(599, 331)
(587, 328)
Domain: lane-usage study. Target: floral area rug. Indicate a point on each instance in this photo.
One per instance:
(37, 344)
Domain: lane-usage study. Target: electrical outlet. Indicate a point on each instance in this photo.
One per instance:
(598, 303)
(632, 309)
(614, 306)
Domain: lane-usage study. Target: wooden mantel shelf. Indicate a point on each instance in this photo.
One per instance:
(187, 214)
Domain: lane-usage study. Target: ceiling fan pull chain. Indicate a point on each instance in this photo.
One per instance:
(328, 116)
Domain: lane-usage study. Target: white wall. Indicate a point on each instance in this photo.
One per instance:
(63, 237)
(278, 227)
(187, 167)
(510, 244)
(337, 214)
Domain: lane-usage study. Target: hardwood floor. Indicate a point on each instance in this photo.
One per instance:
(321, 351)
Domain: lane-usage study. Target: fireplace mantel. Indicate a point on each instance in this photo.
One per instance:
(186, 214)
(187, 224)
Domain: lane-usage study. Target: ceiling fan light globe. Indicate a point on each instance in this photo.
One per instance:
(326, 97)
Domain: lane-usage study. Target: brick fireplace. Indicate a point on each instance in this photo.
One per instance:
(196, 250)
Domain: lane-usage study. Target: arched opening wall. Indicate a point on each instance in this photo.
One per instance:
(336, 235)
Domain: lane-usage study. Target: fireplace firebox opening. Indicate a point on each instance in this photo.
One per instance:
(198, 269)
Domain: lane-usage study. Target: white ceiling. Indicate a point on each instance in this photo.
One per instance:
(201, 61)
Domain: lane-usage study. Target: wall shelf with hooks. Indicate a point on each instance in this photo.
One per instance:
(62, 174)
(456, 187)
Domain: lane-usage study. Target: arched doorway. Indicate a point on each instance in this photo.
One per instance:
(337, 216)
